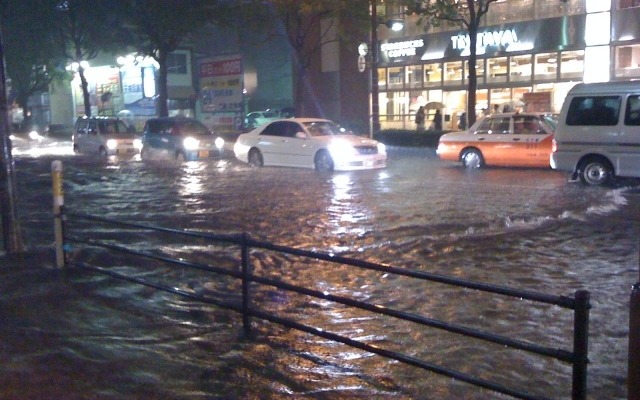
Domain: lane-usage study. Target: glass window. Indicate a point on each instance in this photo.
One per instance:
(480, 70)
(492, 126)
(177, 63)
(632, 116)
(497, 69)
(545, 66)
(628, 3)
(396, 78)
(433, 75)
(572, 64)
(627, 62)
(414, 76)
(382, 78)
(453, 72)
(521, 68)
(527, 125)
(594, 111)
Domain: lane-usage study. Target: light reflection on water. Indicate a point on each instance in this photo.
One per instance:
(522, 228)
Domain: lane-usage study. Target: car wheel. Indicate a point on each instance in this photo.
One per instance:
(595, 172)
(103, 152)
(180, 156)
(472, 159)
(255, 158)
(323, 161)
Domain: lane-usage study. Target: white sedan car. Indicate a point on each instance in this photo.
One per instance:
(309, 143)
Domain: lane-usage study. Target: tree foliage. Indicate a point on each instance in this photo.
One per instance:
(468, 15)
(32, 58)
(83, 29)
(158, 28)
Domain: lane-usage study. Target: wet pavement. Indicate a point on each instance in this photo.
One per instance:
(75, 335)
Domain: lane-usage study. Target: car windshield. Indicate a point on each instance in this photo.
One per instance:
(194, 128)
(324, 128)
(111, 127)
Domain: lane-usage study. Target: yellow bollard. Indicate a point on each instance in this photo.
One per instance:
(58, 203)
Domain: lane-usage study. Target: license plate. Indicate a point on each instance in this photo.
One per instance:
(203, 153)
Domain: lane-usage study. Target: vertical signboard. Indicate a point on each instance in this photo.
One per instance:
(221, 92)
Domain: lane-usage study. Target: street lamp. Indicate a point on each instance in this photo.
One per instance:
(395, 25)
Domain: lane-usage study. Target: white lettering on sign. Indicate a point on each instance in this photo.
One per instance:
(402, 49)
(503, 38)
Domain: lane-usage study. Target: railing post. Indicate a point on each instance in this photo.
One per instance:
(634, 344)
(246, 322)
(58, 203)
(580, 345)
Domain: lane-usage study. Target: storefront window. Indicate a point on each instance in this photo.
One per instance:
(521, 68)
(497, 69)
(382, 78)
(453, 72)
(545, 66)
(480, 70)
(433, 74)
(396, 78)
(500, 100)
(414, 76)
(627, 62)
(572, 64)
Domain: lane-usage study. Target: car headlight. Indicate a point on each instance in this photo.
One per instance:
(112, 144)
(382, 149)
(33, 135)
(191, 143)
(137, 144)
(341, 149)
(219, 142)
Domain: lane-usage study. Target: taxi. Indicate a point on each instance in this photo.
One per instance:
(506, 140)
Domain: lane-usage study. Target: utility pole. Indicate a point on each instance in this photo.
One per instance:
(12, 237)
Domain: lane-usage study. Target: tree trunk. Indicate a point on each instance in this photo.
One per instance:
(12, 237)
(473, 77)
(85, 92)
(163, 95)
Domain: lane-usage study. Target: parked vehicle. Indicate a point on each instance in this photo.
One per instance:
(598, 136)
(179, 138)
(508, 140)
(105, 136)
(309, 143)
(256, 118)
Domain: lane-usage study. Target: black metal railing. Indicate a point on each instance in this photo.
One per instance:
(579, 303)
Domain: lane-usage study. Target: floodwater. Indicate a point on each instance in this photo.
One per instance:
(76, 334)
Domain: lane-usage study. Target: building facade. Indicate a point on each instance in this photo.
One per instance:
(530, 54)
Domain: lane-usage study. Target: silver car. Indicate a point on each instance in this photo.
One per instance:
(105, 136)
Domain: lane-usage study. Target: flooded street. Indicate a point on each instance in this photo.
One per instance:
(528, 229)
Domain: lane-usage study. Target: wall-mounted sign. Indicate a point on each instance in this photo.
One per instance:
(402, 49)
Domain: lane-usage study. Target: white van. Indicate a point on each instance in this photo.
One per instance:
(598, 133)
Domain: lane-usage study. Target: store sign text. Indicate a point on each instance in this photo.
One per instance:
(402, 49)
(503, 38)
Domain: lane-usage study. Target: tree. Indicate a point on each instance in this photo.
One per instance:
(160, 27)
(308, 25)
(465, 13)
(83, 29)
(33, 61)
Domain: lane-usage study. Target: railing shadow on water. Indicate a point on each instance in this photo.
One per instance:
(246, 304)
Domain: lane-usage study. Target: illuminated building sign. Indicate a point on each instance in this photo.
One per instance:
(503, 38)
(402, 49)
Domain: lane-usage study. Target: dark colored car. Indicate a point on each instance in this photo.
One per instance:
(179, 138)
